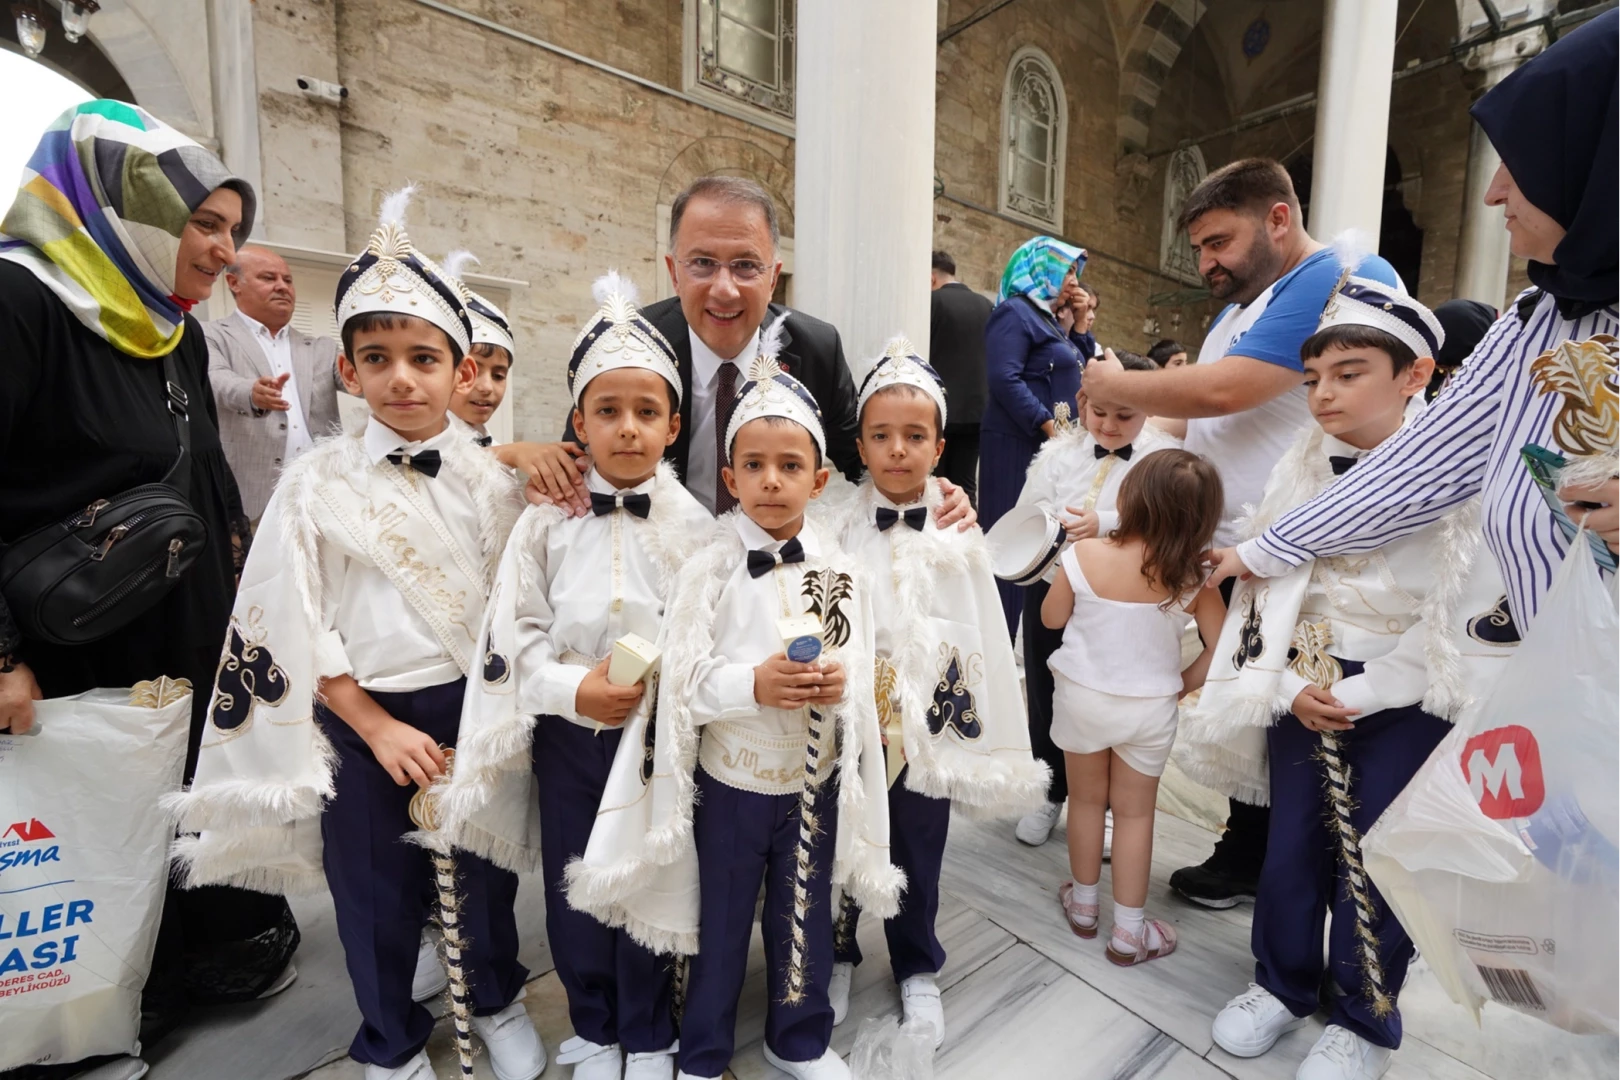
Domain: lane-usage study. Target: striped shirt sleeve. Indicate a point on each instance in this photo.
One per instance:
(1411, 480)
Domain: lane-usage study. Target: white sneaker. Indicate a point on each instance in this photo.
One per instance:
(1341, 1054)
(829, 1066)
(1035, 826)
(515, 1049)
(920, 1004)
(591, 1061)
(430, 979)
(838, 990)
(650, 1065)
(1252, 1023)
(1108, 836)
(418, 1068)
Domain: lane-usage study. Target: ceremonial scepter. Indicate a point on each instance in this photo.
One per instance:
(424, 812)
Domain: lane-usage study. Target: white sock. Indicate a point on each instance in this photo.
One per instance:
(1085, 894)
(1131, 920)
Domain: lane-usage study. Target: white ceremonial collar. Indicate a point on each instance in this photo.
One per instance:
(706, 364)
(382, 440)
(757, 539)
(258, 328)
(598, 483)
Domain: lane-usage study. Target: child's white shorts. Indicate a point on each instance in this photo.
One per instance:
(1139, 729)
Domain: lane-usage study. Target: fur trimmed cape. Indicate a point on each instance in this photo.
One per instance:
(639, 870)
(265, 770)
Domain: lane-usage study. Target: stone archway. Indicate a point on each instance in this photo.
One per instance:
(140, 40)
(1154, 46)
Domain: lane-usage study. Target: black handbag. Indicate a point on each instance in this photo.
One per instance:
(82, 578)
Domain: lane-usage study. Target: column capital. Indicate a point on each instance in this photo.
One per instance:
(1491, 62)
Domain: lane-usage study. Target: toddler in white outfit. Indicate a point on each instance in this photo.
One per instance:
(1122, 600)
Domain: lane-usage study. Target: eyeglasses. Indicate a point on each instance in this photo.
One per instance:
(742, 271)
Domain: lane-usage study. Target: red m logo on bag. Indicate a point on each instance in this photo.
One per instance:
(1503, 770)
(30, 830)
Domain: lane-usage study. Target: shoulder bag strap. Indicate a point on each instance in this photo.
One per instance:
(179, 474)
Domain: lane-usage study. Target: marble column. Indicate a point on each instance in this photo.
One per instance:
(1482, 243)
(235, 89)
(1352, 116)
(864, 157)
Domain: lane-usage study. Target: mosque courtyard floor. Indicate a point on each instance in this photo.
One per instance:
(1023, 997)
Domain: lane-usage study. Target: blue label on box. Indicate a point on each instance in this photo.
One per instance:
(802, 650)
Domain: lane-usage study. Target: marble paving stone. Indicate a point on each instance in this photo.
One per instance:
(312, 1021)
(1016, 887)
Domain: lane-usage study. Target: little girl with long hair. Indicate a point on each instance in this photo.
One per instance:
(1122, 602)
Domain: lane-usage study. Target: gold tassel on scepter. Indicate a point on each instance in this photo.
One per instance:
(424, 812)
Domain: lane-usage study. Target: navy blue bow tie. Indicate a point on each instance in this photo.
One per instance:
(427, 462)
(639, 505)
(761, 563)
(916, 518)
(1341, 465)
(483, 440)
(1123, 453)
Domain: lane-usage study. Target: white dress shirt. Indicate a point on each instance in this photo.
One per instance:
(596, 583)
(702, 470)
(373, 632)
(745, 744)
(278, 351)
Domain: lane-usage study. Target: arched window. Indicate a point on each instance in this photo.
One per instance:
(1034, 127)
(1184, 172)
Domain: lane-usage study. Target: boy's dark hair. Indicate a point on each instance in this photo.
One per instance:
(370, 321)
(1162, 350)
(778, 421)
(486, 350)
(1132, 361)
(1249, 185)
(904, 390)
(944, 263)
(674, 398)
(1172, 500)
(1352, 336)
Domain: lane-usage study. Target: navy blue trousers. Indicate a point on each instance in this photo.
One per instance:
(1303, 878)
(618, 991)
(744, 838)
(918, 825)
(376, 877)
(1039, 645)
(1003, 463)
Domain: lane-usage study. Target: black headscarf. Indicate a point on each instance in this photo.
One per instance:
(1554, 123)
(1465, 323)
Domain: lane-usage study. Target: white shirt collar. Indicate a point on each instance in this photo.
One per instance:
(259, 329)
(757, 539)
(382, 440)
(596, 482)
(706, 364)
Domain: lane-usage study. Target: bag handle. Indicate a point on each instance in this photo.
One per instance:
(178, 403)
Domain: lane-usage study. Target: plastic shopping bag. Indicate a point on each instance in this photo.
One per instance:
(1500, 857)
(83, 863)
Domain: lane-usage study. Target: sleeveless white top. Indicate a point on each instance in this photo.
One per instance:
(1128, 648)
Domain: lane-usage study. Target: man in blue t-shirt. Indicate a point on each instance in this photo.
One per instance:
(1244, 399)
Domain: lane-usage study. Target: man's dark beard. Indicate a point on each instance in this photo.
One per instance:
(1253, 276)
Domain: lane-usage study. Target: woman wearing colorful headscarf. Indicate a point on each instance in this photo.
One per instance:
(120, 226)
(1032, 370)
(1544, 375)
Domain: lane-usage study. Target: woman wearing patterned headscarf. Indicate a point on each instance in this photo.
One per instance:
(1545, 374)
(120, 226)
(1032, 367)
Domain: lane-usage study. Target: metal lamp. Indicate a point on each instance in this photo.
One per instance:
(30, 28)
(76, 17)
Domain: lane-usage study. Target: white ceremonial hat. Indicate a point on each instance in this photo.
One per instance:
(489, 323)
(619, 336)
(770, 391)
(391, 276)
(901, 366)
(1024, 544)
(1358, 301)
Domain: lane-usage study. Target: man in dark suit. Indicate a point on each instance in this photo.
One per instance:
(957, 336)
(723, 262)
